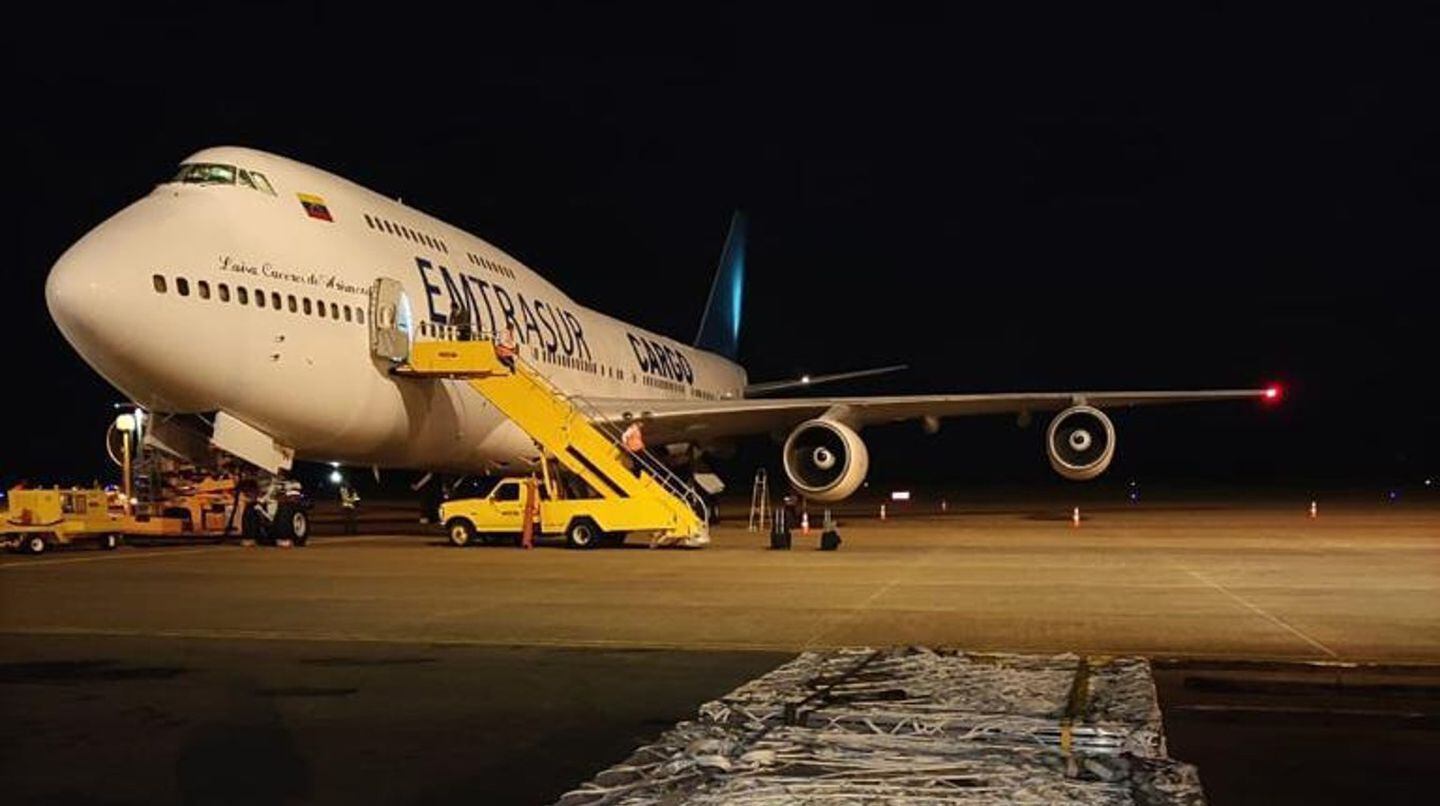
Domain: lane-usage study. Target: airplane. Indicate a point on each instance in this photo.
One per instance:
(274, 298)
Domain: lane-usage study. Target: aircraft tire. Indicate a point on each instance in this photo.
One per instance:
(292, 524)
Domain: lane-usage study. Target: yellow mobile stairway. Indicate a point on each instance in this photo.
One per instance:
(568, 428)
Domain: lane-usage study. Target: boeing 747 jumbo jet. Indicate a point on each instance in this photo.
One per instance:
(277, 298)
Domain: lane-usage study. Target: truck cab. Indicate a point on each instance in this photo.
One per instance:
(501, 511)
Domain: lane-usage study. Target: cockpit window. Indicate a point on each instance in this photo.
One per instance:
(261, 183)
(205, 173)
(255, 179)
(201, 173)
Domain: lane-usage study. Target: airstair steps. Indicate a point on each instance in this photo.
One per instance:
(568, 428)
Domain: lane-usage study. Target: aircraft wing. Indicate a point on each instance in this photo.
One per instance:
(668, 421)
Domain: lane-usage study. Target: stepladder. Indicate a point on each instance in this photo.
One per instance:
(759, 502)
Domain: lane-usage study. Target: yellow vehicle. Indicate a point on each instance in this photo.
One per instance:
(200, 507)
(40, 518)
(584, 522)
(615, 488)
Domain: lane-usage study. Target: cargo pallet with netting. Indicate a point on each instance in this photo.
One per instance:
(915, 726)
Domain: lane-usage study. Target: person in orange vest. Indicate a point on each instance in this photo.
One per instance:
(505, 347)
(633, 440)
(531, 508)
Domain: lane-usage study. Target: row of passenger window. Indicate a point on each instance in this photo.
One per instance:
(499, 268)
(244, 296)
(378, 223)
(615, 373)
(661, 383)
(579, 364)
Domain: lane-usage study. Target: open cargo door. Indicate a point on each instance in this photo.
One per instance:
(390, 320)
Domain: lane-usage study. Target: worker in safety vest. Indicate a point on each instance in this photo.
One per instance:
(505, 347)
(528, 513)
(349, 507)
(633, 440)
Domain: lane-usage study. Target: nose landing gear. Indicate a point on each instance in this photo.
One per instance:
(280, 513)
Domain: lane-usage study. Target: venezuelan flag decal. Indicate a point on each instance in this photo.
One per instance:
(314, 206)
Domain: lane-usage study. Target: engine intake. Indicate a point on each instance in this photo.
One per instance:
(1080, 442)
(825, 460)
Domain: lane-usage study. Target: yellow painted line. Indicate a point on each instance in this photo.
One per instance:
(131, 554)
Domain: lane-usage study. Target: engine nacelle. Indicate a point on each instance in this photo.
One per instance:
(825, 460)
(1080, 442)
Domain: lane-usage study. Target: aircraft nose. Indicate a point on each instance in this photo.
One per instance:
(88, 292)
(107, 296)
(72, 293)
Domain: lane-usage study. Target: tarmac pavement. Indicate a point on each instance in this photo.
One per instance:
(1296, 659)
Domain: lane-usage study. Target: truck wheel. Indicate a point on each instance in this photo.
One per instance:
(582, 533)
(460, 531)
(34, 544)
(294, 524)
(110, 541)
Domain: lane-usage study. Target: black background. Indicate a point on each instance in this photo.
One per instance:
(1163, 196)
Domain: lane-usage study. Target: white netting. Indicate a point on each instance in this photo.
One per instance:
(1019, 698)
(915, 726)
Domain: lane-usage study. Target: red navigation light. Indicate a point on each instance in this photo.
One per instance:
(1272, 393)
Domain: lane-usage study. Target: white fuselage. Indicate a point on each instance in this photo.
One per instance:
(309, 380)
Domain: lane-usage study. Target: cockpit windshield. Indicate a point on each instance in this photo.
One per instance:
(206, 173)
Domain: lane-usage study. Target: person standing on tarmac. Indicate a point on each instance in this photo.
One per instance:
(349, 507)
(528, 513)
(505, 346)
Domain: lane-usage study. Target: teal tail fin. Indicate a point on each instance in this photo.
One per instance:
(720, 326)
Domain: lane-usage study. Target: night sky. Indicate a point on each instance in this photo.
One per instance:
(1156, 197)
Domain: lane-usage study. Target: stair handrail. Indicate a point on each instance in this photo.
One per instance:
(659, 472)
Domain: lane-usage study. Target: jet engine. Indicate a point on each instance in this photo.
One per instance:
(1080, 442)
(825, 460)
